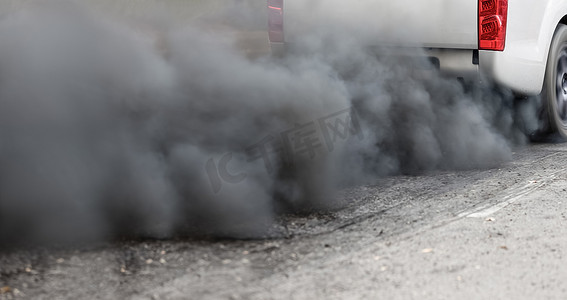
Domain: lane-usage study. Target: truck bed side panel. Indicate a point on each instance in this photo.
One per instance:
(432, 23)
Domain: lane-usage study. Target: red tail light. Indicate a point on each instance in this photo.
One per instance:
(275, 21)
(492, 21)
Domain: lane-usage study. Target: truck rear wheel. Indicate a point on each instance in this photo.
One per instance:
(554, 94)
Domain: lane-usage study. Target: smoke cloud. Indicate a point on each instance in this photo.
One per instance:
(142, 125)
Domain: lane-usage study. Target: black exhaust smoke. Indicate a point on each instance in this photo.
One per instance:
(107, 130)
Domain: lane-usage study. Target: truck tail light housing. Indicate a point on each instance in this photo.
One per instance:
(275, 21)
(492, 22)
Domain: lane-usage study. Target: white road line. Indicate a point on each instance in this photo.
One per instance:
(511, 199)
(487, 210)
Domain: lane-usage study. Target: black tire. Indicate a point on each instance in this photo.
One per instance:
(554, 93)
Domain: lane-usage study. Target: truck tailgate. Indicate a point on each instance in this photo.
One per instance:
(431, 23)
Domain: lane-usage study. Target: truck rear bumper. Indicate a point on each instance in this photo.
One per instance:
(520, 75)
(458, 63)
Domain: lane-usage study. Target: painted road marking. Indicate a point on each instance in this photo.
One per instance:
(488, 210)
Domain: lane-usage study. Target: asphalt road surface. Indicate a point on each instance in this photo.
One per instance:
(485, 234)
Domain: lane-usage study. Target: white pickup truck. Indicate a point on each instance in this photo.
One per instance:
(518, 44)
